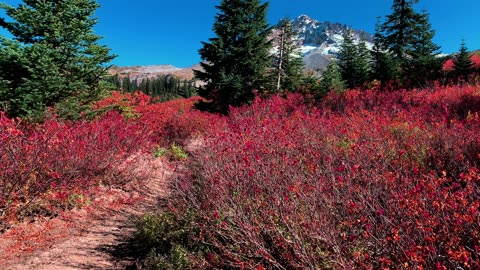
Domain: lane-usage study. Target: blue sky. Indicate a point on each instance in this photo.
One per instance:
(148, 32)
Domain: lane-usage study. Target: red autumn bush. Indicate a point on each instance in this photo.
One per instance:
(49, 163)
(366, 180)
(60, 156)
(171, 121)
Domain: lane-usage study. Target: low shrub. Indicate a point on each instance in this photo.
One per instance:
(167, 241)
(365, 180)
(58, 156)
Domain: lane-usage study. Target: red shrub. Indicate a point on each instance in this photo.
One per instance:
(172, 121)
(61, 156)
(368, 180)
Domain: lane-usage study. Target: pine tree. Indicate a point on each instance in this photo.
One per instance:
(354, 61)
(117, 84)
(399, 28)
(56, 54)
(384, 68)
(347, 60)
(408, 35)
(288, 60)
(462, 62)
(331, 80)
(126, 84)
(362, 64)
(235, 61)
(423, 64)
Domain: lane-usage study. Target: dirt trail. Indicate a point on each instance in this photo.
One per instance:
(91, 238)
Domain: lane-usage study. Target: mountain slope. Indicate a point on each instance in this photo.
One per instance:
(321, 41)
(144, 72)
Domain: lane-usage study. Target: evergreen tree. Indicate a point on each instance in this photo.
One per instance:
(116, 82)
(408, 35)
(126, 84)
(133, 86)
(55, 54)
(347, 60)
(288, 60)
(331, 80)
(384, 68)
(166, 87)
(235, 61)
(462, 62)
(362, 65)
(399, 28)
(354, 61)
(423, 64)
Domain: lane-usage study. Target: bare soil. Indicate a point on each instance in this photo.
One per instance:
(96, 236)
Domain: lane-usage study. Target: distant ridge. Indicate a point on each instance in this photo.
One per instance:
(152, 71)
(320, 42)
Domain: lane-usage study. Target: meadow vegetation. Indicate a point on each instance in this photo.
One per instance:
(309, 176)
(360, 180)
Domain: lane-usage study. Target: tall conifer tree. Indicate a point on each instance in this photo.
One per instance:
(236, 60)
(408, 35)
(462, 62)
(399, 28)
(362, 65)
(347, 60)
(384, 68)
(354, 61)
(54, 54)
(287, 61)
(331, 80)
(424, 65)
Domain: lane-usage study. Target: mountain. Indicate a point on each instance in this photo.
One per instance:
(144, 72)
(321, 41)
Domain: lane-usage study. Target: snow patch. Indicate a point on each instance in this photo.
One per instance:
(307, 49)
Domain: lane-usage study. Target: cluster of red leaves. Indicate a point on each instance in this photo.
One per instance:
(60, 161)
(59, 157)
(364, 180)
(172, 121)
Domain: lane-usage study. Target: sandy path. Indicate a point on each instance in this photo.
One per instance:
(91, 238)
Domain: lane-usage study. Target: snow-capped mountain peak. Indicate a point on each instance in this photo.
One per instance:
(321, 41)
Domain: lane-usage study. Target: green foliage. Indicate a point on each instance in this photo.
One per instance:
(287, 65)
(399, 28)
(354, 61)
(331, 80)
(168, 241)
(160, 152)
(54, 54)
(408, 36)
(163, 88)
(79, 106)
(384, 68)
(178, 153)
(77, 200)
(175, 152)
(235, 61)
(362, 65)
(462, 62)
(423, 64)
